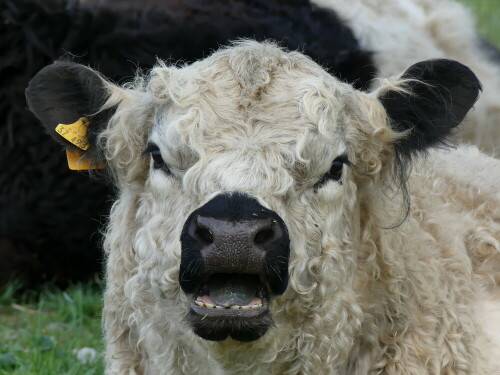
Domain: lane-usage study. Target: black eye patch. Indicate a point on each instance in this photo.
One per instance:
(158, 162)
(335, 172)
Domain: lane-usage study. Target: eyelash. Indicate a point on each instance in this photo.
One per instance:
(335, 172)
(158, 162)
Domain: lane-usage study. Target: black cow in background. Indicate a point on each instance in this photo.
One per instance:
(50, 217)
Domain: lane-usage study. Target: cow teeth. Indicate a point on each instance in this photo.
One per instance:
(225, 306)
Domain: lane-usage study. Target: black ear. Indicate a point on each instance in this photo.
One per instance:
(64, 92)
(438, 95)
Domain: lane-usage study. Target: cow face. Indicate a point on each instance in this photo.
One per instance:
(243, 177)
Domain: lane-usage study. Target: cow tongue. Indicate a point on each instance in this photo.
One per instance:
(232, 289)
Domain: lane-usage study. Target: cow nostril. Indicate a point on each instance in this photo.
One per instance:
(205, 235)
(263, 236)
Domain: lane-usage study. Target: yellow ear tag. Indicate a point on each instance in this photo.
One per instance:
(75, 133)
(75, 164)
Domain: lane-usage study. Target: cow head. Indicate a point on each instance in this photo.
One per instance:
(244, 178)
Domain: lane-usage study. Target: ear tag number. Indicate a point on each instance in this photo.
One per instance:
(75, 163)
(76, 133)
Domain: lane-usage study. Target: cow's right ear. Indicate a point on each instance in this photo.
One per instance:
(433, 100)
(67, 98)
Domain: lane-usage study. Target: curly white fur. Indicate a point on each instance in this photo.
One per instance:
(361, 299)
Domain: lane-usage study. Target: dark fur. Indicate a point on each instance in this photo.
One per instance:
(189, 30)
(442, 92)
(49, 216)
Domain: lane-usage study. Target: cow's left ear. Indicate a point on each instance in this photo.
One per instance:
(67, 98)
(434, 98)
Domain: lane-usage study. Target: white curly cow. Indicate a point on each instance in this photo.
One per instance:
(269, 221)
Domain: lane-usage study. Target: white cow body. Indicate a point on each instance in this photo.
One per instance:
(369, 289)
(362, 299)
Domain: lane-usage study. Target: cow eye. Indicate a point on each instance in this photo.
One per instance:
(335, 172)
(158, 162)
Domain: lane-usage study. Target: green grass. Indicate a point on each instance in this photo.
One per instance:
(40, 334)
(487, 13)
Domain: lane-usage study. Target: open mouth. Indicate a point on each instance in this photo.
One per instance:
(231, 292)
(233, 305)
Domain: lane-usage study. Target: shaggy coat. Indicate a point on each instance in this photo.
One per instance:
(43, 233)
(373, 288)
